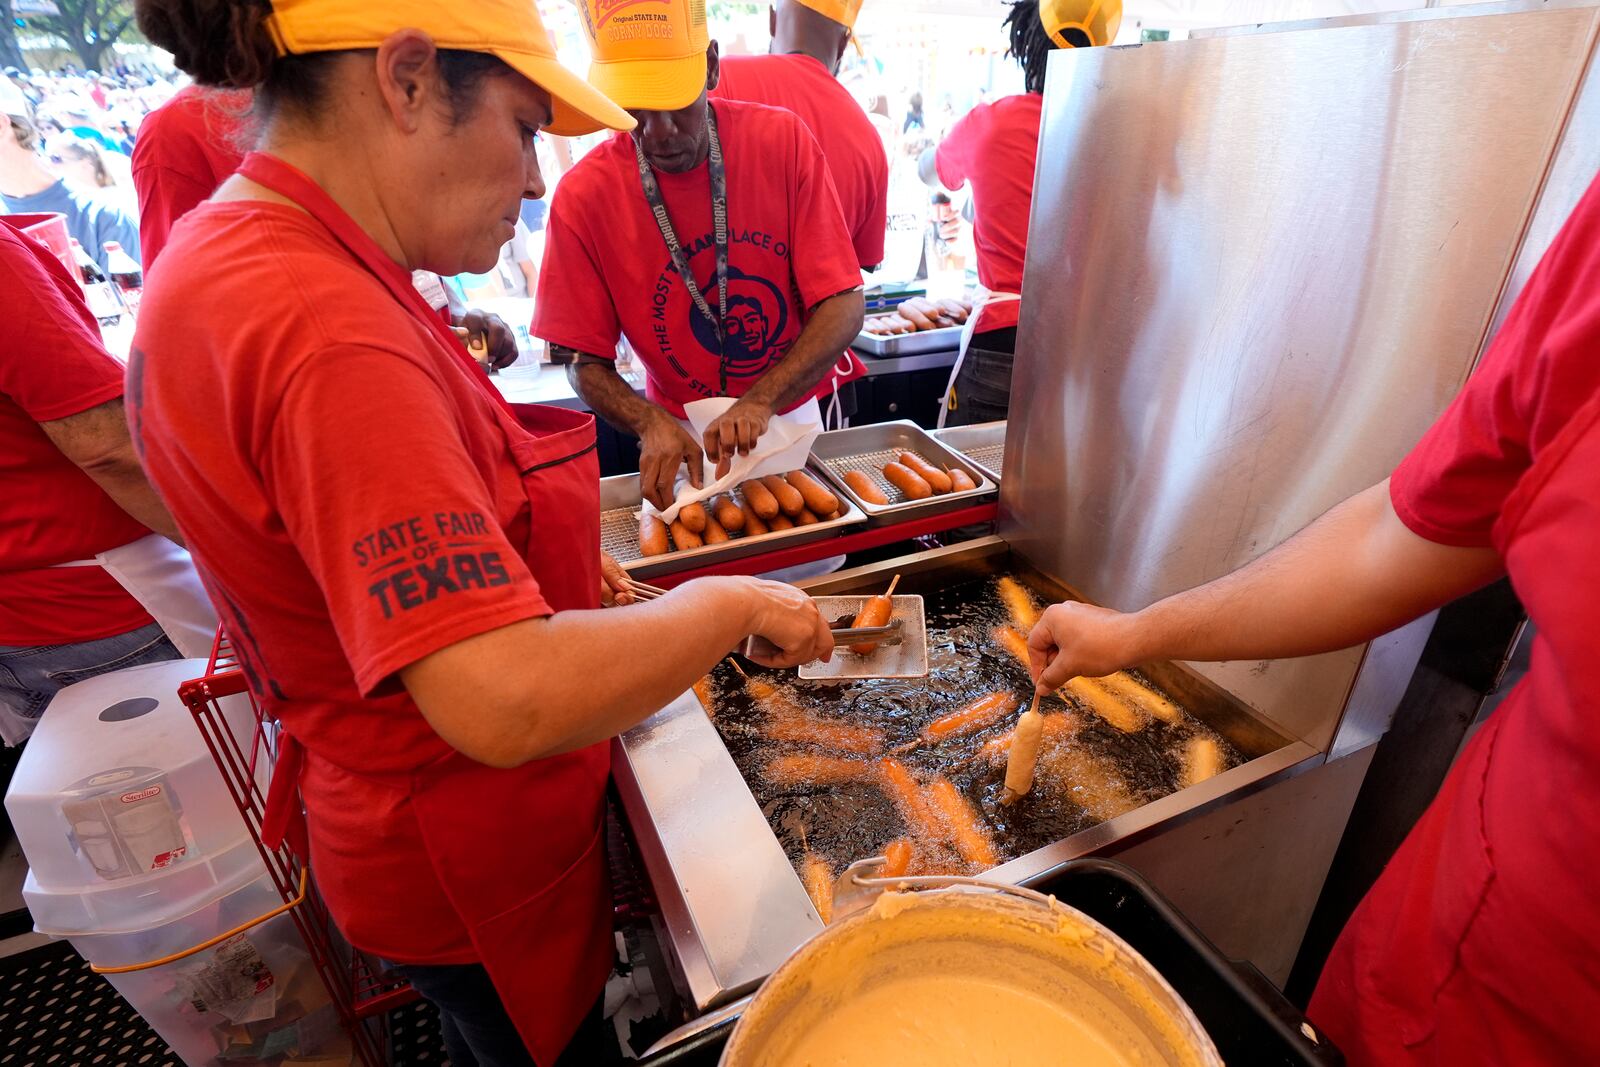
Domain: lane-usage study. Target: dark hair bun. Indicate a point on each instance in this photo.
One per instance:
(216, 42)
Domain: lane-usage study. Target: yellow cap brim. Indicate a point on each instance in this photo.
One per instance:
(577, 106)
(651, 84)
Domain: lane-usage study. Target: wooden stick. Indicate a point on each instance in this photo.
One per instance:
(892, 584)
(735, 665)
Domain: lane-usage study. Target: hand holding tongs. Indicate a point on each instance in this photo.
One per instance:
(843, 634)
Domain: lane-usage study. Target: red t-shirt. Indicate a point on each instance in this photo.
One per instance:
(183, 152)
(850, 143)
(53, 365)
(352, 504)
(607, 271)
(1486, 926)
(994, 147)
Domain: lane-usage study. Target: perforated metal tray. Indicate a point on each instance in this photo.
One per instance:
(619, 530)
(868, 448)
(907, 659)
(984, 443)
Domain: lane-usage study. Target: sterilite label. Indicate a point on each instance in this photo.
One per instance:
(142, 794)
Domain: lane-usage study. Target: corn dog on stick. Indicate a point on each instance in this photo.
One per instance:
(1056, 727)
(966, 829)
(1013, 642)
(803, 769)
(785, 722)
(896, 858)
(1202, 759)
(818, 879)
(1103, 704)
(1019, 602)
(1024, 754)
(919, 818)
(971, 717)
(1129, 688)
(702, 691)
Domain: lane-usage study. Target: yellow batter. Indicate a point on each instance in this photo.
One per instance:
(953, 1021)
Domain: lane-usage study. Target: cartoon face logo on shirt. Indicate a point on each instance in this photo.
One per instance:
(756, 320)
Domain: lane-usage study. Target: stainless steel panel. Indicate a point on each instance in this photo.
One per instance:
(943, 339)
(1437, 9)
(984, 443)
(1293, 255)
(732, 906)
(619, 532)
(868, 448)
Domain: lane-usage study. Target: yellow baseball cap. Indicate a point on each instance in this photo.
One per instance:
(509, 29)
(1098, 20)
(843, 12)
(649, 55)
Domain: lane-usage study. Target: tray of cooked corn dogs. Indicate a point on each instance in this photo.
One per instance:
(893, 471)
(759, 516)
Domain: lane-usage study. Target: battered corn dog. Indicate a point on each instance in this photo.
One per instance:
(920, 818)
(818, 879)
(788, 722)
(1129, 688)
(966, 829)
(896, 858)
(1089, 780)
(805, 769)
(1019, 602)
(760, 688)
(702, 691)
(1202, 759)
(1056, 728)
(1013, 642)
(1103, 704)
(971, 717)
(1024, 754)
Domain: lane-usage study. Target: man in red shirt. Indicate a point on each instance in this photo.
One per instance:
(73, 489)
(184, 150)
(762, 312)
(994, 147)
(808, 39)
(1477, 944)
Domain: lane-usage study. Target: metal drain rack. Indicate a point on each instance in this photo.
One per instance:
(620, 499)
(868, 448)
(984, 443)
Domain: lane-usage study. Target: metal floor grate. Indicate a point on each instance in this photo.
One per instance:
(993, 457)
(56, 1012)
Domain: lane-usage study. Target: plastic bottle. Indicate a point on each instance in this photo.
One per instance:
(125, 275)
(102, 298)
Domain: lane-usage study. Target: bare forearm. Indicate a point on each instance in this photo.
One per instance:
(608, 395)
(547, 686)
(124, 482)
(833, 325)
(1355, 573)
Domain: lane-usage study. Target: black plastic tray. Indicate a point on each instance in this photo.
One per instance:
(1246, 1016)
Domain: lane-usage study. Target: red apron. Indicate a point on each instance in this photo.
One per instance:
(520, 853)
(1480, 943)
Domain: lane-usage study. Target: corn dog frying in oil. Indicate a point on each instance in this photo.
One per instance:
(818, 879)
(971, 717)
(1024, 754)
(966, 828)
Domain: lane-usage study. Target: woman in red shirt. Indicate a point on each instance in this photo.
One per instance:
(409, 566)
(1478, 943)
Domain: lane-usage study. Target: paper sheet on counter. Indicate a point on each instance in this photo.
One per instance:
(783, 448)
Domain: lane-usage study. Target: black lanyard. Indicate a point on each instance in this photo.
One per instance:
(719, 225)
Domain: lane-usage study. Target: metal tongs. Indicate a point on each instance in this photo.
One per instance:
(843, 634)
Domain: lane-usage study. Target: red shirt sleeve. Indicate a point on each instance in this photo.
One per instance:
(1538, 374)
(354, 471)
(822, 257)
(165, 196)
(54, 364)
(574, 307)
(952, 159)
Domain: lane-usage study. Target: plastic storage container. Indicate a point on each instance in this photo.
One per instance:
(137, 853)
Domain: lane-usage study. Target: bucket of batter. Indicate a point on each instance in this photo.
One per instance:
(961, 976)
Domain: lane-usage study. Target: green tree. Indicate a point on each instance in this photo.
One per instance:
(10, 51)
(88, 27)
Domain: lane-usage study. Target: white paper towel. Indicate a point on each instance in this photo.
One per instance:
(783, 448)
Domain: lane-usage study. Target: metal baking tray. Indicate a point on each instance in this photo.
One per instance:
(943, 339)
(908, 658)
(984, 443)
(868, 448)
(619, 530)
